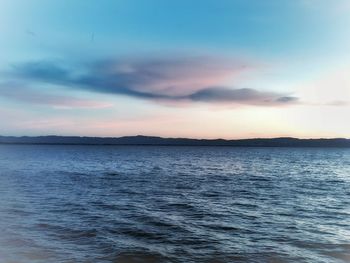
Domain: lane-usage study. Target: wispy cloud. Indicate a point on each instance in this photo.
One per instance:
(21, 93)
(243, 95)
(172, 79)
(338, 103)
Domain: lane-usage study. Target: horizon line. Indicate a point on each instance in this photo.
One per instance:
(174, 137)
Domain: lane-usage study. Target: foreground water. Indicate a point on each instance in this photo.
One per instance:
(173, 204)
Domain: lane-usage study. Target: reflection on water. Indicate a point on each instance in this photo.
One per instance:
(173, 204)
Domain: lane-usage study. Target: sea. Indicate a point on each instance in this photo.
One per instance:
(126, 204)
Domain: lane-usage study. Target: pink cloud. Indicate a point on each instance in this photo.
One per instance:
(166, 79)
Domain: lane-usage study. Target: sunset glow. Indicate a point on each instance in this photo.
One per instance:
(227, 69)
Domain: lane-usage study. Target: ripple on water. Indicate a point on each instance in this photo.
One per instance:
(173, 204)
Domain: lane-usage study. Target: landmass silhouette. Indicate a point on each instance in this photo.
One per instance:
(159, 141)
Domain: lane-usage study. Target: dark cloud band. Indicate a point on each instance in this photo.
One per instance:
(168, 79)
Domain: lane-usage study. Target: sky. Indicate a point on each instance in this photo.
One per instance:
(199, 69)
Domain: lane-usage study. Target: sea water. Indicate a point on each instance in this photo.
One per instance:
(173, 204)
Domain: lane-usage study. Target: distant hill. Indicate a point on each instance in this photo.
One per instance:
(150, 140)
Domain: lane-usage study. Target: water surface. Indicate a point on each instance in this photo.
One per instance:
(173, 204)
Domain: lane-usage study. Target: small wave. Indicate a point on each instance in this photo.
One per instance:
(140, 257)
(141, 234)
(66, 232)
(219, 227)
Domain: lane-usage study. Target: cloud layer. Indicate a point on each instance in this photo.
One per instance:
(172, 79)
(19, 92)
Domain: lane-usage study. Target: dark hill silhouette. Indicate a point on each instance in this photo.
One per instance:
(151, 140)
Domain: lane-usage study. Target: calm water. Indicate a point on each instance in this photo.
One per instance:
(173, 204)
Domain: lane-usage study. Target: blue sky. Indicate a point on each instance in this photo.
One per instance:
(209, 68)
